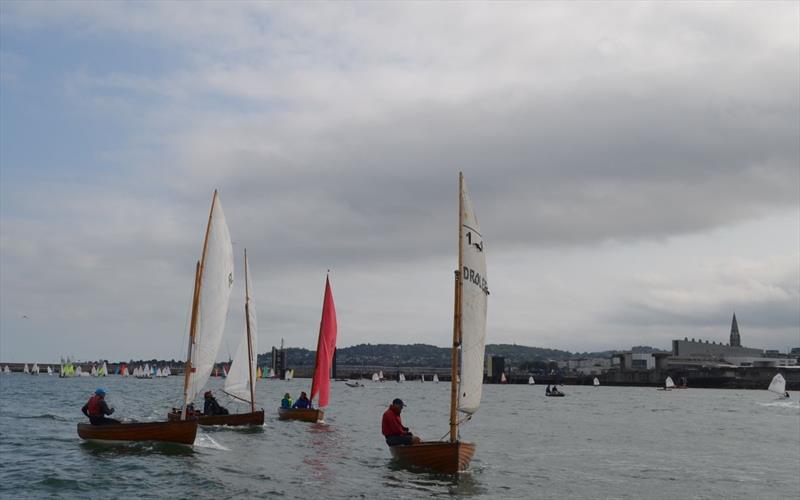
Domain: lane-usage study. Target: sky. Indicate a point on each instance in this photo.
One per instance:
(635, 168)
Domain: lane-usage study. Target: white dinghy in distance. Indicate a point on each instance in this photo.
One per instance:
(778, 386)
(531, 381)
(596, 382)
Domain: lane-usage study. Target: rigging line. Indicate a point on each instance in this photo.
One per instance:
(473, 230)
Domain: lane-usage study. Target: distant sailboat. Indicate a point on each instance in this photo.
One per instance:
(35, 370)
(6, 369)
(422, 378)
(375, 377)
(288, 374)
(326, 346)
(503, 379)
(467, 352)
(401, 378)
(778, 385)
(25, 369)
(531, 381)
(596, 382)
(49, 370)
(436, 378)
(668, 385)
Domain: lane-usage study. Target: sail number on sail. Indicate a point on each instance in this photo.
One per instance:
(476, 278)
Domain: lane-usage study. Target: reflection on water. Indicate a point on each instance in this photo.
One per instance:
(463, 484)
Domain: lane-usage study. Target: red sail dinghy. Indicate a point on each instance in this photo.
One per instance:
(326, 345)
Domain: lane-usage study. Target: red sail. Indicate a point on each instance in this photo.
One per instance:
(325, 347)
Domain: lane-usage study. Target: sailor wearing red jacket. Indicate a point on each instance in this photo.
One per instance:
(392, 427)
(97, 409)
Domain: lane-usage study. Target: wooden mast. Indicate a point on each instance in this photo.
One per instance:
(456, 323)
(198, 281)
(249, 339)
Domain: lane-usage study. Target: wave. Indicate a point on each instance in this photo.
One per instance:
(45, 416)
(203, 440)
(783, 404)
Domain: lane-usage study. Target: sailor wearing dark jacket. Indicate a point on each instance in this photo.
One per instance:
(302, 402)
(97, 409)
(211, 406)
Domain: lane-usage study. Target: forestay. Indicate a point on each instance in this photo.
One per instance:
(237, 384)
(778, 384)
(216, 281)
(474, 294)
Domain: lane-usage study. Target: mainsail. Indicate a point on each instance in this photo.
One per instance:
(326, 345)
(214, 280)
(669, 384)
(243, 368)
(473, 301)
(596, 381)
(778, 385)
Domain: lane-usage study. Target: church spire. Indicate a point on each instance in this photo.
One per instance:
(735, 339)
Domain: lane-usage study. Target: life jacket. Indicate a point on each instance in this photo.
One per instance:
(95, 406)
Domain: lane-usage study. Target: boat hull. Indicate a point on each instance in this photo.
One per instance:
(559, 395)
(444, 457)
(303, 414)
(182, 431)
(232, 419)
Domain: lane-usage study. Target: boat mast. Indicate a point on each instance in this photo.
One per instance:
(249, 339)
(198, 280)
(456, 322)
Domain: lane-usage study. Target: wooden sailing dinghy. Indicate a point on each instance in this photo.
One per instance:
(212, 290)
(321, 383)
(469, 338)
(240, 383)
(182, 431)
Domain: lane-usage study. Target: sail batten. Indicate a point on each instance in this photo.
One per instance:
(216, 281)
(243, 368)
(473, 298)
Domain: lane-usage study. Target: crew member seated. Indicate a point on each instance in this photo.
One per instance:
(286, 402)
(302, 402)
(392, 427)
(211, 406)
(97, 409)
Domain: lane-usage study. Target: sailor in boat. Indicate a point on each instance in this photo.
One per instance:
(547, 391)
(97, 409)
(286, 402)
(392, 427)
(302, 402)
(211, 406)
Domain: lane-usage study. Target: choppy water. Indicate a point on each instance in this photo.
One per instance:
(609, 442)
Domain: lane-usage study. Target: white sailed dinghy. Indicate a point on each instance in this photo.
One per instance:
(778, 385)
(531, 381)
(596, 382)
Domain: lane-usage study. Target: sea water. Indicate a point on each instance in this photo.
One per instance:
(606, 442)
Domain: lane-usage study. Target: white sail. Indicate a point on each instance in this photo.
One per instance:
(596, 381)
(289, 375)
(778, 385)
(436, 378)
(401, 378)
(216, 282)
(531, 381)
(35, 369)
(669, 384)
(49, 370)
(6, 369)
(243, 368)
(380, 375)
(103, 371)
(25, 369)
(422, 378)
(375, 377)
(473, 296)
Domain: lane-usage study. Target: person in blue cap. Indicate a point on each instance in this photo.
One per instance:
(392, 427)
(97, 409)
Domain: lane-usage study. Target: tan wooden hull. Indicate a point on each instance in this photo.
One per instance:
(182, 432)
(304, 414)
(442, 457)
(233, 419)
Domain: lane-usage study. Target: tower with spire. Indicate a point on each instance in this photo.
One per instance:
(735, 339)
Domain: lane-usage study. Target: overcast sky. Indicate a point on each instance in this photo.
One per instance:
(635, 168)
